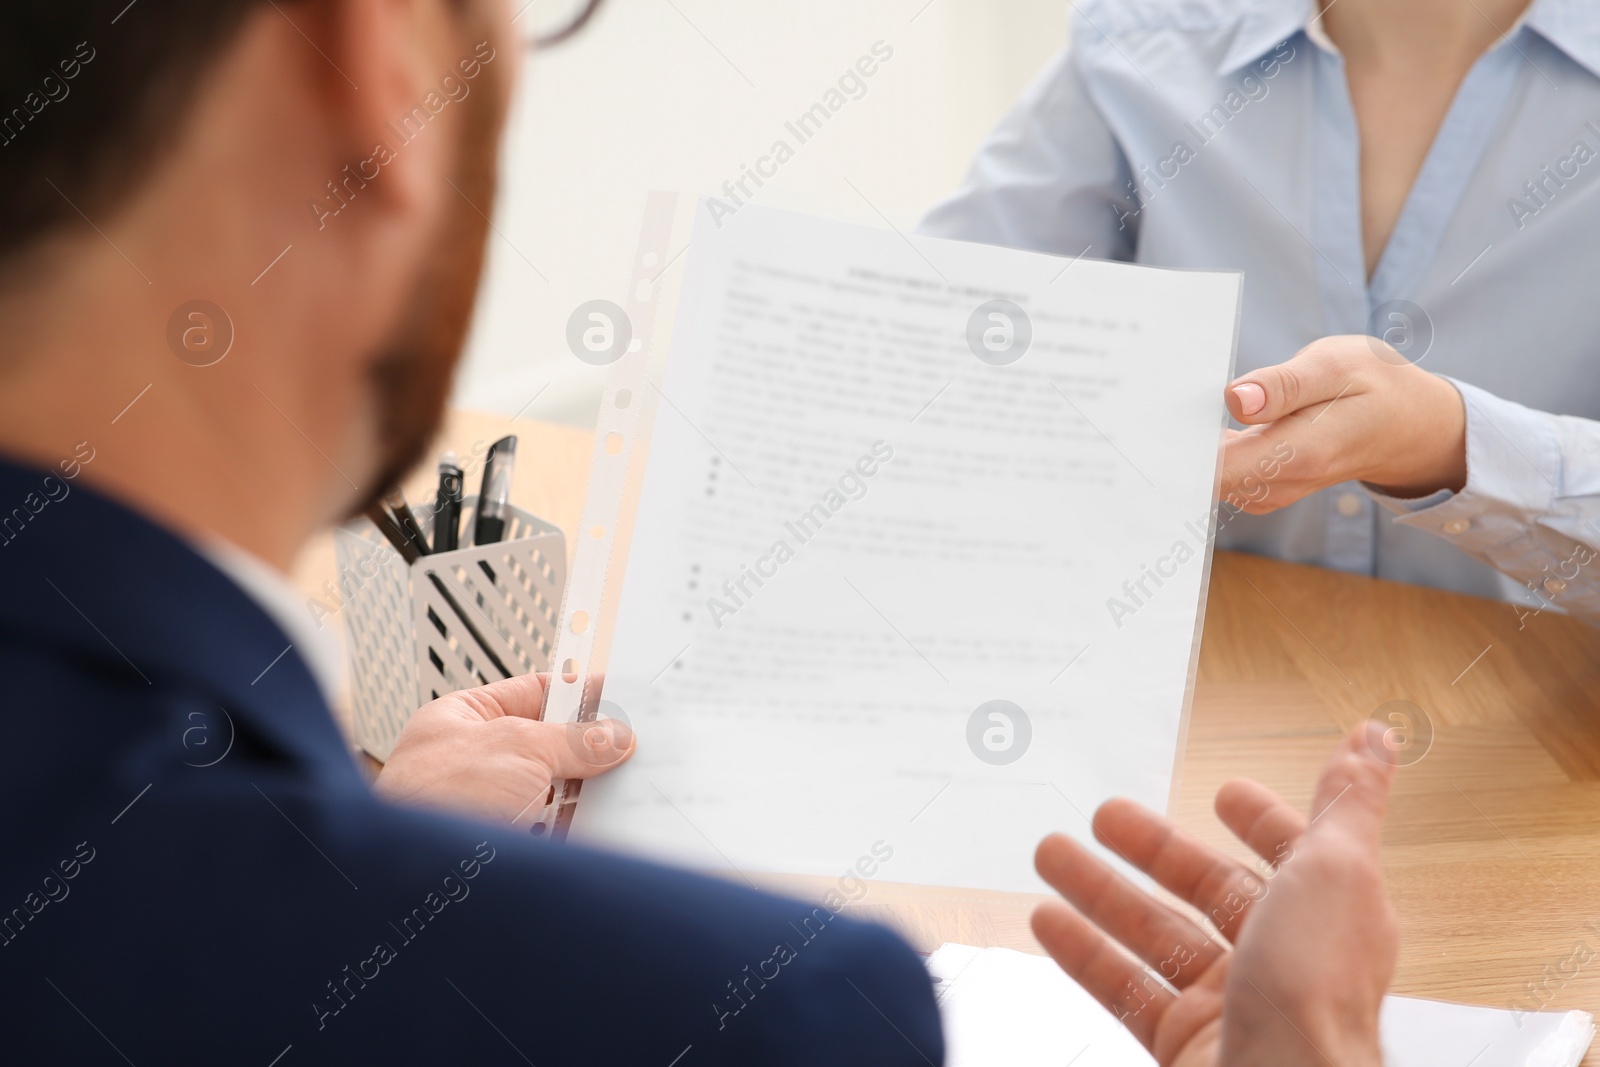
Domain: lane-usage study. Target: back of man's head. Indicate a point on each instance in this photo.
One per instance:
(90, 94)
(240, 244)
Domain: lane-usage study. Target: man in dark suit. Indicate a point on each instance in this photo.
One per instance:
(194, 871)
(239, 248)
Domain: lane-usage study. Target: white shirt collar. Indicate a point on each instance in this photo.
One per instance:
(1318, 34)
(285, 605)
(1568, 24)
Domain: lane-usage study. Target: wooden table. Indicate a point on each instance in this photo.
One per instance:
(1492, 847)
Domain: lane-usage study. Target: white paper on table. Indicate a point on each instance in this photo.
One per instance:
(1001, 1007)
(1008, 1009)
(792, 729)
(1422, 1033)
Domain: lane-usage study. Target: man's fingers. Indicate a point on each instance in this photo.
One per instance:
(1353, 791)
(1220, 887)
(589, 705)
(521, 697)
(1124, 988)
(1172, 944)
(580, 749)
(1260, 818)
(1317, 374)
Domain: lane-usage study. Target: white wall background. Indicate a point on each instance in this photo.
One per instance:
(677, 94)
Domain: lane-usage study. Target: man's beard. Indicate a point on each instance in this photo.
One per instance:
(414, 370)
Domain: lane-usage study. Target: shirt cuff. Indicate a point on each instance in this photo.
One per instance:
(1513, 461)
(1408, 505)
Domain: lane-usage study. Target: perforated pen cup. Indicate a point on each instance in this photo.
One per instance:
(449, 621)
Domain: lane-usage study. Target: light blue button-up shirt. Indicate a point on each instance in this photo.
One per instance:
(1216, 134)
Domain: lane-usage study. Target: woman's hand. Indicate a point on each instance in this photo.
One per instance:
(1343, 409)
(1313, 940)
(484, 752)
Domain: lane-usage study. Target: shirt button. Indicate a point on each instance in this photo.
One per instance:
(1456, 526)
(1554, 585)
(1348, 505)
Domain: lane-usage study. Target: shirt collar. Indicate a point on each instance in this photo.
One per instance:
(1266, 24)
(1570, 25)
(283, 604)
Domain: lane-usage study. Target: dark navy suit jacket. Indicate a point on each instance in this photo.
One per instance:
(192, 870)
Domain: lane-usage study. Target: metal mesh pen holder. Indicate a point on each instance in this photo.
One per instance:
(449, 621)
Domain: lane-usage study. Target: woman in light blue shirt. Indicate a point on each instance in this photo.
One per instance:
(1430, 180)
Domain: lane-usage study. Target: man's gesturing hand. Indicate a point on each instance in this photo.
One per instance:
(1343, 409)
(1313, 943)
(482, 752)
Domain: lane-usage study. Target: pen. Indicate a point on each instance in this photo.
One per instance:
(391, 530)
(494, 499)
(407, 521)
(447, 508)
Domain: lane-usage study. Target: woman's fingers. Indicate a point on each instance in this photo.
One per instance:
(1222, 888)
(1259, 472)
(1318, 373)
(1172, 944)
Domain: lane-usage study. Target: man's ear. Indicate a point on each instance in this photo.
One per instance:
(379, 60)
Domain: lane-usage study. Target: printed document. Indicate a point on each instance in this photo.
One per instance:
(920, 553)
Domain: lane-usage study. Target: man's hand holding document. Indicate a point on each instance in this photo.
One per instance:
(912, 574)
